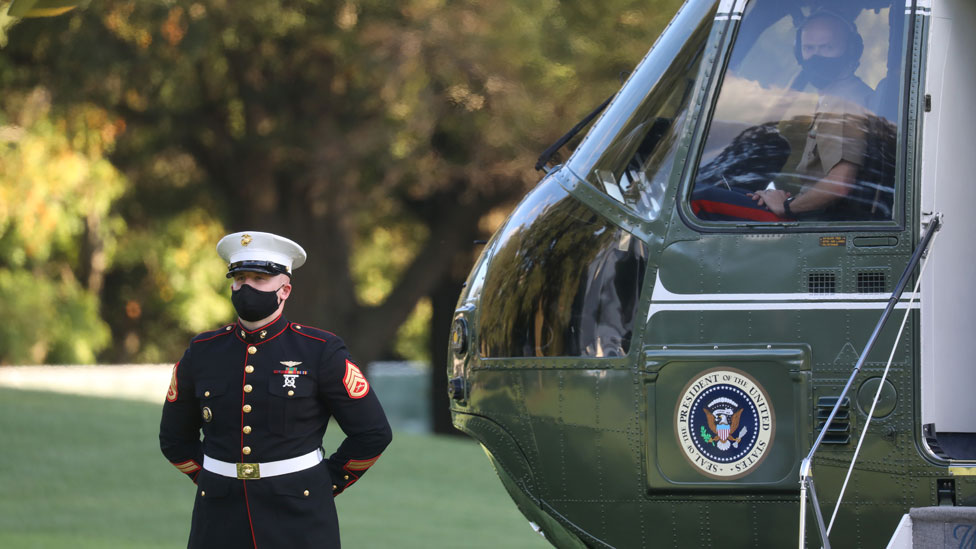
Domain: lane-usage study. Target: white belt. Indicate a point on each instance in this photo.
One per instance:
(251, 471)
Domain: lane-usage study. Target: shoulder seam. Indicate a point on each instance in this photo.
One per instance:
(199, 338)
(301, 333)
(294, 324)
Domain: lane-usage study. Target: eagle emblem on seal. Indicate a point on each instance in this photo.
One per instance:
(723, 416)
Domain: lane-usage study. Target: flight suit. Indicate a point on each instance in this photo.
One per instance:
(840, 131)
(263, 396)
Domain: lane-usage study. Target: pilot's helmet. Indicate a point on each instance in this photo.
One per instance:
(260, 252)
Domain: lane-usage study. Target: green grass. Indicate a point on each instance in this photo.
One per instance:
(84, 472)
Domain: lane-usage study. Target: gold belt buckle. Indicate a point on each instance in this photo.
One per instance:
(248, 471)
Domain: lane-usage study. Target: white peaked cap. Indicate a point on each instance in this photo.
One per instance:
(260, 252)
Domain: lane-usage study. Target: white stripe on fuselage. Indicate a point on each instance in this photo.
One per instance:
(663, 299)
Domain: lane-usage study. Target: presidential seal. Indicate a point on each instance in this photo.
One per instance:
(724, 423)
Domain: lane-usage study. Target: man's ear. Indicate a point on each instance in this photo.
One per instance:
(285, 291)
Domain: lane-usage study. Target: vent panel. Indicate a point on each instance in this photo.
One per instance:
(839, 431)
(821, 283)
(872, 282)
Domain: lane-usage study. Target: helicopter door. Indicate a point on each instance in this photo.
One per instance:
(798, 202)
(948, 375)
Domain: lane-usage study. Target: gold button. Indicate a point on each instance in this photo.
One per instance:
(203, 493)
(345, 477)
(247, 408)
(306, 493)
(263, 334)
(297, 327)
(252, 349)
(246, 450)
(247, 429)
(248, 388)
(334, 486)
(242, 333)
(291, 393)
(249, 369)
(229, 328)
(206, 393)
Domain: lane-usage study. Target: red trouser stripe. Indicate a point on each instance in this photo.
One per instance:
(249, 521)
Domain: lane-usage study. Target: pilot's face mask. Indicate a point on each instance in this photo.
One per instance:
(822, 71)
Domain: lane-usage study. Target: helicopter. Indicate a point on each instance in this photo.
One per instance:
(739, 313)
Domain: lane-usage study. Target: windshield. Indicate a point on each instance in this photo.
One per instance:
(805, 126)
(629, 153)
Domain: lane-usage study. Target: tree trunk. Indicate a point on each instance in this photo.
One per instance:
(443, 301)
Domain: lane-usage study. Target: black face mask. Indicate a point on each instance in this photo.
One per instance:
(253, 305)
(822, 71)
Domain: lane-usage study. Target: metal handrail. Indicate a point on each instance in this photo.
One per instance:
(806, 466)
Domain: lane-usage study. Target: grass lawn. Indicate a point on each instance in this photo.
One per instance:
(84, 472)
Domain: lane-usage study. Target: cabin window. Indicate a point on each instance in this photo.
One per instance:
(563, 282)
(805, 125)
(630, 153)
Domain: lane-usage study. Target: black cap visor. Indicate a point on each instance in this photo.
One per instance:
(254, 266)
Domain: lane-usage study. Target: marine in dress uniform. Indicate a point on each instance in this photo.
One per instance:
(263, 396)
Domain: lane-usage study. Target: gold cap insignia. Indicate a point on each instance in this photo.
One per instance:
(245, 240)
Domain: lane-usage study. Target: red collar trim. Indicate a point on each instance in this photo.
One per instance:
(270, 331)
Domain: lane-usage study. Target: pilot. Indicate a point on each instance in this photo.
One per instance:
(829, 50)
(263, 390)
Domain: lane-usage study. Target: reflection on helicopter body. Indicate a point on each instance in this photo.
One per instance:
(566, 285)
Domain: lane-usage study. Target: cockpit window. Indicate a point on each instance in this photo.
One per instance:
(805, 126)
(562, 282)
(630, 153)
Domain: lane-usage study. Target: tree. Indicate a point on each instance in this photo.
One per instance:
(347, 126)
(57, 233)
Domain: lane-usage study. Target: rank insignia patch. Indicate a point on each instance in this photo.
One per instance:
(724, 423)
(360, 464)
(173, 392)
(355, 381)
(188, 467)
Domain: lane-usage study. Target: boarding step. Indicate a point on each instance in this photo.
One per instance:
(959, 446)
(941, 527)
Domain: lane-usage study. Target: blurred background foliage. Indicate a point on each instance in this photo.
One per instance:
(385, 137)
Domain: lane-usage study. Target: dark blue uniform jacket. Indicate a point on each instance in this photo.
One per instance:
(263, 396)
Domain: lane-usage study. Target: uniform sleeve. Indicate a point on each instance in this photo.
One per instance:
(179, 428)
(360, 415)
